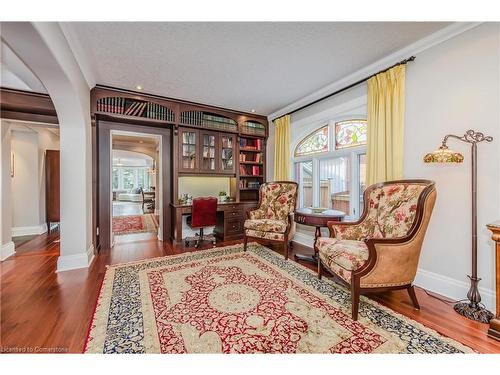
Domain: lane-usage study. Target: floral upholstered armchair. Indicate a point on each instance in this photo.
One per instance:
(381, 250)
(273, 219)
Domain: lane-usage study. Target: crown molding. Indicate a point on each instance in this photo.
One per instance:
(412, 49)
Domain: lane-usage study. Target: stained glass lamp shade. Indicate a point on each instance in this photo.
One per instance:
(443, 155)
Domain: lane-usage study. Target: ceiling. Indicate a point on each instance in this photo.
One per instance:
(130, 158)
(243, 66)
(15, 74)
(135, 140)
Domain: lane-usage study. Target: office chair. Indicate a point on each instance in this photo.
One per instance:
(203, 215)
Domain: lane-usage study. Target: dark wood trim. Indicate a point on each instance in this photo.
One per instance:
(186, 103)
(27, 106)
(103, 199)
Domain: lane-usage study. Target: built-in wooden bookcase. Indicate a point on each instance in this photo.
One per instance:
(252, 167)
(207, 140)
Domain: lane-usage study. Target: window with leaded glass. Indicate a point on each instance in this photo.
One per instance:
(314, 143)
(350, 133)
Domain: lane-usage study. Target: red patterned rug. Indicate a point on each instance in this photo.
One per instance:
(134, 224)
(228, 301)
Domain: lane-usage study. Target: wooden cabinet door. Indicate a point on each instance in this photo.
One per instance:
(209, 151)
(188, 150)
(227, 160)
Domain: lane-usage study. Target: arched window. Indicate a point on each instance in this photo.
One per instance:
(330, 167)
(313, 143)
(350, 133)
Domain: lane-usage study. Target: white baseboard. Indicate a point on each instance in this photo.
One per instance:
(451, 288)
(7, 250)
(28, 231)
(75, 261)
(431, 281)
(303, 239)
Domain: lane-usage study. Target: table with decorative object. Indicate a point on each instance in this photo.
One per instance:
(318, 218)
(494, 330)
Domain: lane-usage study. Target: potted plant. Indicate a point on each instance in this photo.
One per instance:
(222, 196)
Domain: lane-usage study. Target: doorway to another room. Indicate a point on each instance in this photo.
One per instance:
(135, 186)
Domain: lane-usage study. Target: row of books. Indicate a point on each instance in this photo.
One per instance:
(123, 106)
(247, 157)
(252, 144)
(204, 119)
(250, 171)
(245, 184)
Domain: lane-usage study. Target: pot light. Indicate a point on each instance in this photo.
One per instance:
(253, 111)
(138, 87)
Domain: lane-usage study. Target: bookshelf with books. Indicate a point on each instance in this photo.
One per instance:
(251, 167)
(135, 108)
(206, 140)
(208, 120)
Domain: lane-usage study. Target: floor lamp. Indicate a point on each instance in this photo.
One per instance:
(472, 309)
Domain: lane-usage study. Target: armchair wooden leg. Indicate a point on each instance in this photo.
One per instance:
(245, 241)
(413, 297)
(285, 247)
(355, 298)
(320, 269)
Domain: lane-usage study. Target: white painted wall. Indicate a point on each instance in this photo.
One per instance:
(25, 195)
(451, 87)
(28, 144)
(7, 246)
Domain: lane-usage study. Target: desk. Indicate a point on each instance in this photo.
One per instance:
(230, 219)
(306, 216)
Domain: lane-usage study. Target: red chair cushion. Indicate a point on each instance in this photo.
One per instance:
(204, 212)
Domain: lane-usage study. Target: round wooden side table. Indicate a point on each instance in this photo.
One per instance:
(307, 216)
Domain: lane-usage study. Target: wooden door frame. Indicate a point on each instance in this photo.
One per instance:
(103, 174)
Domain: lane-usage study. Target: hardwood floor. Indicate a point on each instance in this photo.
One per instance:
(45, 311)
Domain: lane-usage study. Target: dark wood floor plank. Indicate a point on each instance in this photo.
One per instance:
(42, 308)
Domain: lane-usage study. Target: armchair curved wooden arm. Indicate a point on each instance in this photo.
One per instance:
(272, 220)
(392, 259)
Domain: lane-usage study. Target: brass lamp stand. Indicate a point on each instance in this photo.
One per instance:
(473, 309)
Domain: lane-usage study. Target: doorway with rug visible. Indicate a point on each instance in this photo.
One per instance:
(134, 186)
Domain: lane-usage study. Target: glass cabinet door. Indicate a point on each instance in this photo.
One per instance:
(188, 142)
(227, 153)
(208, 148)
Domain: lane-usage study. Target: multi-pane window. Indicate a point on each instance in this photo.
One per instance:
(330, 167)
(128, 178)
(303, 176)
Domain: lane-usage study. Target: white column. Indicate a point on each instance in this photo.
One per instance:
(44, 49)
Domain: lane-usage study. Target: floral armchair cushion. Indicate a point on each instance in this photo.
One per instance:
(391, 213)
(266, 225)
(278, 200)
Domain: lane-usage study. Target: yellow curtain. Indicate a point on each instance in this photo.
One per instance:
(386, 108)
(282, 148)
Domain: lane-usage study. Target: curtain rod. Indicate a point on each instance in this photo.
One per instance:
(411, 58)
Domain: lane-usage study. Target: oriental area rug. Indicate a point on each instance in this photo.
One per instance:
(225, 300)
(134, 224)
